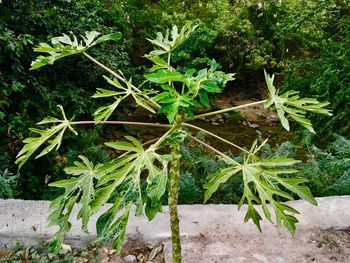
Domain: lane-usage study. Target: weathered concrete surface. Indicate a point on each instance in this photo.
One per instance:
(211, 233)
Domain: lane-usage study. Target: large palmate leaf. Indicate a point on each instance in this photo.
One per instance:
(78, 189)
(264, 184)
(33, 143)
(290, 104)
(208, 80)
(141, 160)
(173, 102)
(83, 188)
(165, 44)
(93, 185)
(123, 91)
(112, 224)
(65, 45)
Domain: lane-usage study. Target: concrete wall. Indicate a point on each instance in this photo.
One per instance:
(25, 221)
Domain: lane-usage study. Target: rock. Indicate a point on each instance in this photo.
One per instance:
(226, 115)
(141, 258)
(155, 251)
(65, 248)
(130, 259)
(215, 123)
(253, 125)
(260, 258)
(221, 120)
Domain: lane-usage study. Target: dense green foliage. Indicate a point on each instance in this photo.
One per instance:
(328, 170)
(306, 42)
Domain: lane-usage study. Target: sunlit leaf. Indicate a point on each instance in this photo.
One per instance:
(262, 185)
(291, 105)
(164, 76)
(53, 136)
(104, 112)
(171, 40)
(65, 45)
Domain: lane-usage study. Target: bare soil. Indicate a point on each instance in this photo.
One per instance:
(321, 246)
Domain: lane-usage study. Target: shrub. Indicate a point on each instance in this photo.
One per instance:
(177, 95)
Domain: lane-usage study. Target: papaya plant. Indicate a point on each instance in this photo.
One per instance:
(179, 96)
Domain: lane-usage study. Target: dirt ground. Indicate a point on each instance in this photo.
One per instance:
(316, 245)
(307, 246)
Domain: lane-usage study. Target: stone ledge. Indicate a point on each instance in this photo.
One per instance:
(25, 221)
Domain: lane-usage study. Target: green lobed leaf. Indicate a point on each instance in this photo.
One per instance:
(151, 210)
(262, 185)
(165, 76)
(82, 186)
(104, 112)
(156, 186)
(290, 104)
(171, 40)
(32, 144)
(65, 45)
(92, 186)
(215, 180)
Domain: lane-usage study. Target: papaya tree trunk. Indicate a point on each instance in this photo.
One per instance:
(173, 200)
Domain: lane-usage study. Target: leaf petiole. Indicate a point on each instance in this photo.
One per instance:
(214, 135)
(226, 110)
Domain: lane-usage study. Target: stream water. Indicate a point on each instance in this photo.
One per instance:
(240, 132)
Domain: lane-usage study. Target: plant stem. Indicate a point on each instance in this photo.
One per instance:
(174, 192)
(169, 58)
(116, 75)
(172, 203)
(159, 125)
(226, 110)
(214, 135)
